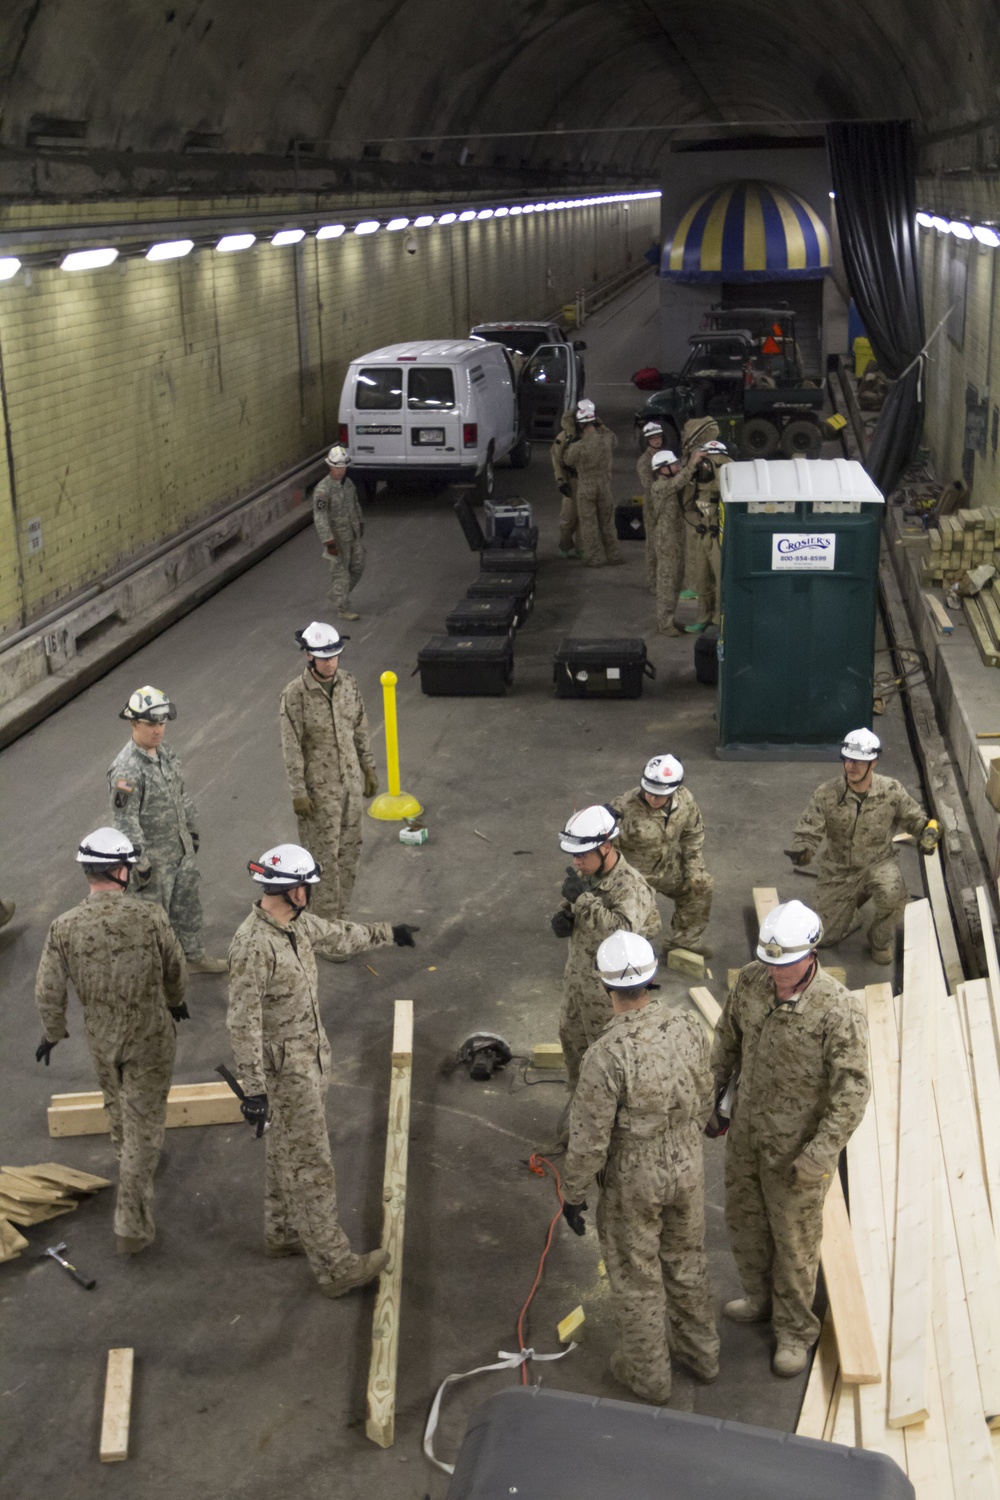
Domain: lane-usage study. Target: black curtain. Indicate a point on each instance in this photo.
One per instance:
(874, 177)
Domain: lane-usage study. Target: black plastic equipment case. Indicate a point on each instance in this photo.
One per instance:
(466, 666)
(600, 668)
(526, 538)
(630, 523)
(706, 657)
(483, 617)
(557, 1445)
(508, 560)
(517, 586)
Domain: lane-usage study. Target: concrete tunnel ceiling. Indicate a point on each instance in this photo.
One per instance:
(135, 79)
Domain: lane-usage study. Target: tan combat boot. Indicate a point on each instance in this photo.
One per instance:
(364, 1269)
(747, 1310)
(789, 1359)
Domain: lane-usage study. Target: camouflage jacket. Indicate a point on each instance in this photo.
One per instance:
(621, 901)
(150, 804)
(590, 454)
(644, 470)
(858, 830)
(646, 1077)
(273, 1011)
(324, 739)
(664, 844)
(665, 498)
(122, 958)
(803, 1070)
(568, 433)
(336, 512)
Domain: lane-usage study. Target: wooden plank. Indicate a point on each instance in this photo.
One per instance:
(928, 1462)
(765, 899)
(683, 961)
(12, 1185)
(943, 925)
(67, 1177)
(27, 1214)
(117, 1406)
(834, 1412)
(11, 1242)
(980, 632)
(992, 963)
(975, 997)
(187, 1104)
(859, 1361)
(815, 1410)
(845, 1423)
(908, 1396)
(381, 1423)
(939, 614)
(707, 1004)
(548, 1055)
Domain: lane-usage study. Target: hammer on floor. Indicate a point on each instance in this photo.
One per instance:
(55, 1252)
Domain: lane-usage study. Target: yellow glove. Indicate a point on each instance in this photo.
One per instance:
(928, 840)
(304, 806)
(807, 1172)
(371, 782)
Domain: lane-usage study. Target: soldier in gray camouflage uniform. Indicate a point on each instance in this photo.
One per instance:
(644, 1095)
(590, 457)
(858, 814)
(329, 761)
(337, 518)
(663, 837)
(794, 1043)
(127, 968)
(653, 434)
(283, 1059)
(150, 804)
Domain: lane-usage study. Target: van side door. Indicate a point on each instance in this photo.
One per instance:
(548, 387)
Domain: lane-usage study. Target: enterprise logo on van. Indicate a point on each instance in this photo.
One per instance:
(378, 431)
(803, 552)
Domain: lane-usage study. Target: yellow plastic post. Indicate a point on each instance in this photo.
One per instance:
(393, 806)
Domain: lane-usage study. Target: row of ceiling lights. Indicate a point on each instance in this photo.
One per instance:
(92, 260)
(984, 233)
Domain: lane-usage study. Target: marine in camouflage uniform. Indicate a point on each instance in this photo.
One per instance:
(565, 478)
(803, 1083)
(330, 766)
(644, 473)
(666, 845)
(859, 862)
(644, 1095)
(590, 456)
(281, 1050)
(127, 967)
(338, 522)
(668, 549)
(699, 497)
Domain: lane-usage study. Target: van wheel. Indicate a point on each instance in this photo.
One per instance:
(486, 480)
(801, 439)
(520, 454)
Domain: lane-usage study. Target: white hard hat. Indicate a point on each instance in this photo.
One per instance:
(652, 429)
(715, 447)
(788, 933)
(586, 411)
(663, 457)
(625, 961)
(284, 867)
(860, 744)
(662, 775)
(151, 704)
(106, 846)
(588, 829)
(321, 640)
(338, 457)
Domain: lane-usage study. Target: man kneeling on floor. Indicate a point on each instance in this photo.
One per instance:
(644, 1094)
(795, 1042)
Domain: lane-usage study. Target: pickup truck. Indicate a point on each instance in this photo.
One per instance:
(550, 370)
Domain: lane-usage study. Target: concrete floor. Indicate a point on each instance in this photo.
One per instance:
(248, 1383)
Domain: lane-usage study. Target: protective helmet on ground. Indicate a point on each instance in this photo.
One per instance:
(588, 829)
(151, 704)
(716, 447)
(106, 846)
(662, 458)
(662, 775)
(284, 867)
(625, 961)
(586, 411)
(860, 744)
(338, 457)
(321, 640)
(652, 429)
(788, 933)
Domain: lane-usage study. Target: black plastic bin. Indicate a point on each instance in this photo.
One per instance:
(630, 523)
(706, 656)
(586, 667)
(483, 617)
(508, 560)
(466, 666)
(517, 586)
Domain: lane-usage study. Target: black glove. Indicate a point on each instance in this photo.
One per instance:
(564, 488)
(402, 935)
(717, 1125)
(573, 1214)
(44, 1051)
(196, 841)
(799, 856)
(180, 1012)
(573, 886)
(562, 923)
(253, 1108)
(143, 876)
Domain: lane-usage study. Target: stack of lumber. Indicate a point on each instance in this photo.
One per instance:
(959, 542)
(924, 1188)
(982, 611)
(32, 1195)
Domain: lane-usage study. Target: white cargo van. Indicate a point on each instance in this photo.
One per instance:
(441, 409)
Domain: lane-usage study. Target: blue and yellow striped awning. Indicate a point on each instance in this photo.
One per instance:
(748, 231)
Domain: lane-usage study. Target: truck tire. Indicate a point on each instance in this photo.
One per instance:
(520, 454)
(485, 480)
(760, 438)
(801, 439)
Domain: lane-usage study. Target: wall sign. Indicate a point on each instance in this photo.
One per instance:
(803, 551)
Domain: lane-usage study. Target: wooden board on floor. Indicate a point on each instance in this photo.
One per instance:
(944, 927)
(708, 1006)
(858, 1357)
(381, 1423)
(11, 1242)
(815, 1410)
(548, 1055)
(942, 619)
(765, 899)
(975, 996)
(187, 1104)
(117, 1406)
(992, 963)
(27, 1214)
(66, 1177)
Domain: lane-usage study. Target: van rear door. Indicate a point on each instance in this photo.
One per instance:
(379, 436)
(548, 387)
(433, 415)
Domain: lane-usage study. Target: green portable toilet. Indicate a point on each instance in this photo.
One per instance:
(800, 547)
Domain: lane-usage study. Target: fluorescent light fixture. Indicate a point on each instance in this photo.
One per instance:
(9, 266)
(231, 242)
(170, 250)
(983, 233)
(527, 208)
(447, 218)
(88, 260)
(288, 236)
(367, 226)
(831, 194)
(424, 221)
(501, 213)
(516, 210)
(466, 215)
(330, 231)
(397, 223)
(485, 213)
(959, 230)
(925, 221)
(939, 224)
